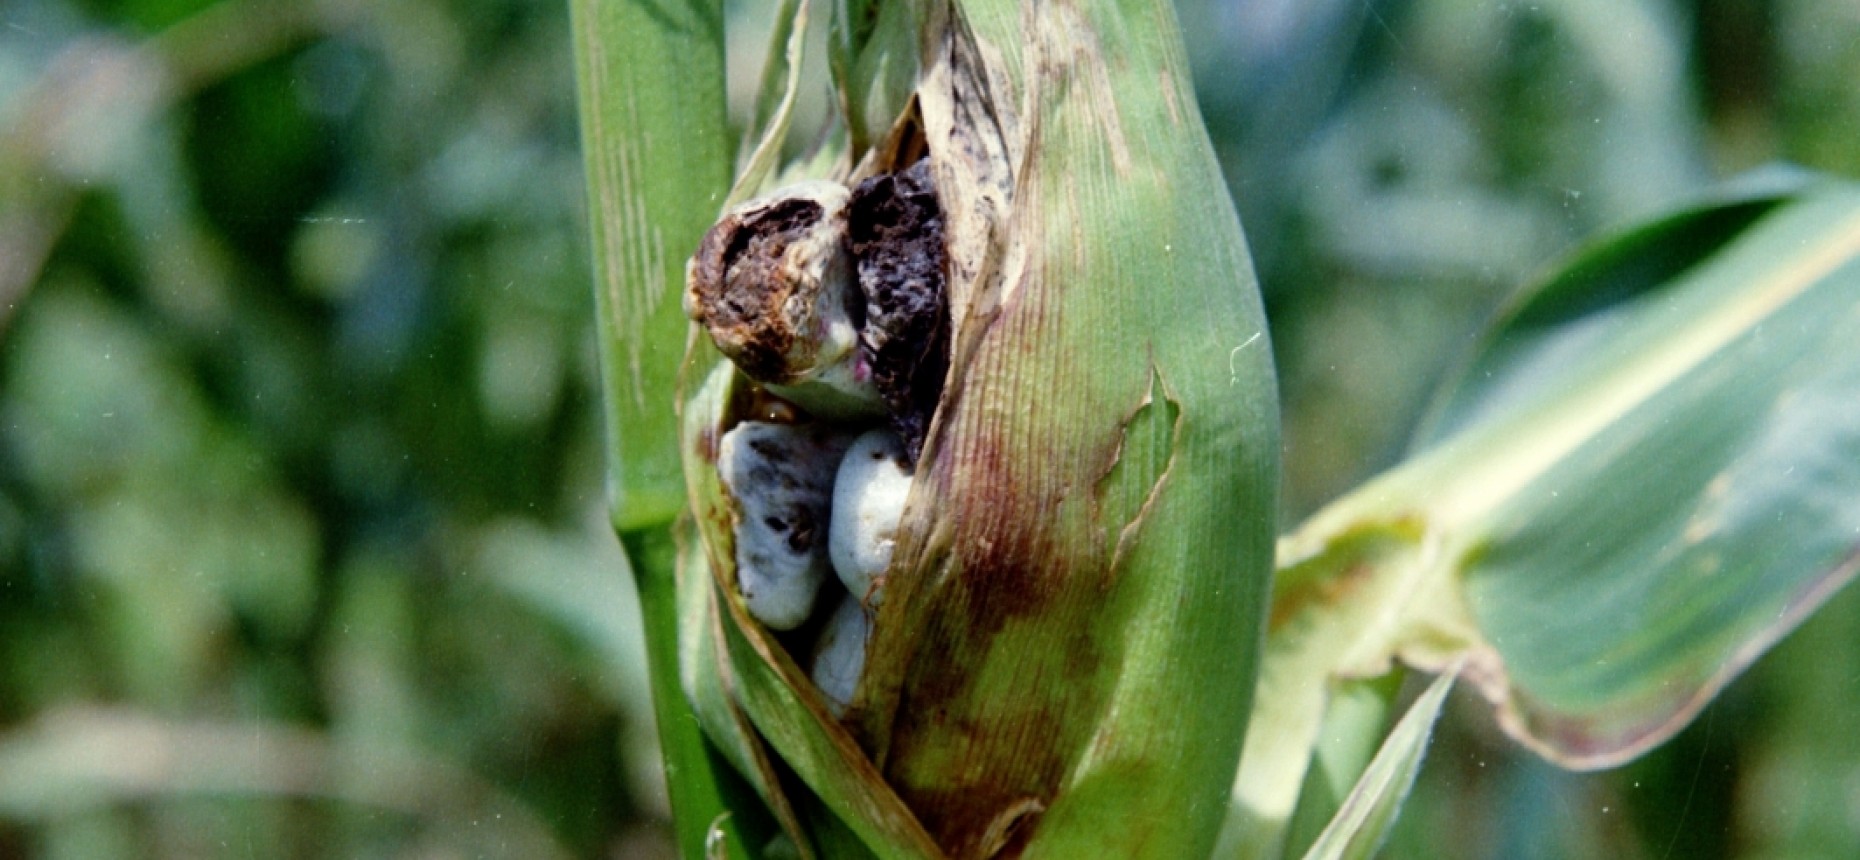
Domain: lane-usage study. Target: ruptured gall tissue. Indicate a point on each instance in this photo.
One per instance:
(895, 228)
(751, 287)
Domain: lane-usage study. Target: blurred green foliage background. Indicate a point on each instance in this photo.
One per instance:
(302, 542)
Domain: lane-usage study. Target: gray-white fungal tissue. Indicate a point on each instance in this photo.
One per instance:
(781, 478)
(868, 500)
(839, 654)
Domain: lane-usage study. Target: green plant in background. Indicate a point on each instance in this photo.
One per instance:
(1636, 487)
(299, 473)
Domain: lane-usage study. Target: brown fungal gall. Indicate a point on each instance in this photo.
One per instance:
(772, 285)
(831, 304)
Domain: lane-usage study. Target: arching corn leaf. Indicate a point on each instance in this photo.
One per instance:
(1647, 474)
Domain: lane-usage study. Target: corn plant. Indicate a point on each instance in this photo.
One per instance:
(946, 458)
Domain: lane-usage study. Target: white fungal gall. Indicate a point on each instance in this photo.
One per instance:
(781, 478)
(868, 500)
(839, 653)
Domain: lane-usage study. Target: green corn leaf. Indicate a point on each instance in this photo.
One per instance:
(1686, 485)
(1369, 811)
(657, 152)
(1336, 616)
(1355, 724)
(1647, 474)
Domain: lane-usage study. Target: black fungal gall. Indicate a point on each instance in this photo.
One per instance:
(895, 230)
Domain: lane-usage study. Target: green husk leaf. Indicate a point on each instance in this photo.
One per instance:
(789, 712)
(708, 667)
(761, 161)
(1061, 665)
(874, 57)
(773, 85)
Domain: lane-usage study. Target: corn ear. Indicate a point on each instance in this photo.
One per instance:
(1062, 663)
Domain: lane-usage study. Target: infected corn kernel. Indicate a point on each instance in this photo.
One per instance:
(773, 285)
(839, 653)
(868, 500)
(780, 477)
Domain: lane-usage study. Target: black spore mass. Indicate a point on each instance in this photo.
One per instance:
(895, 229)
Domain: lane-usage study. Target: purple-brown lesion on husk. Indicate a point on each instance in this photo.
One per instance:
(1000, 566)
(1029, 737)
(946, 722)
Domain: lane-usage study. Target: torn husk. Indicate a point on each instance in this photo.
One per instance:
(1063, 659)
